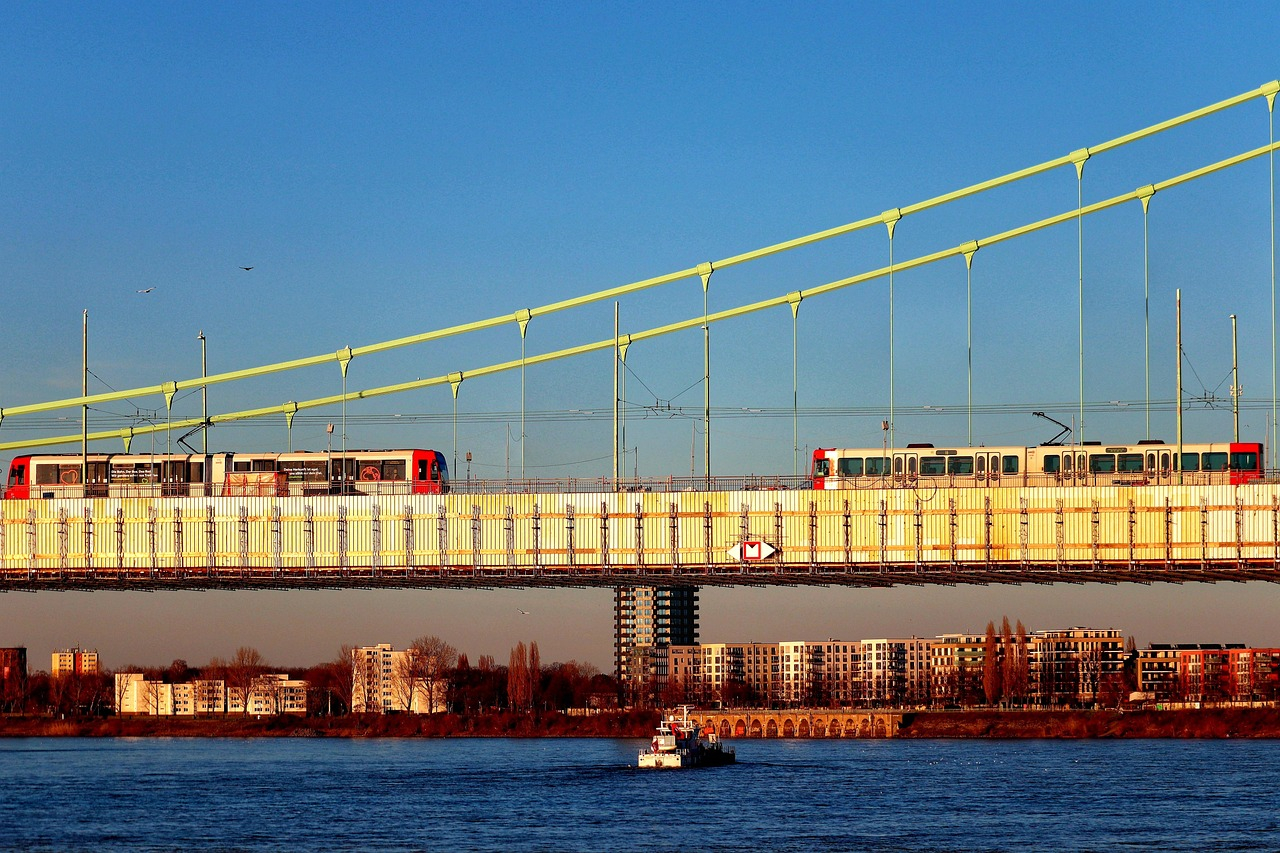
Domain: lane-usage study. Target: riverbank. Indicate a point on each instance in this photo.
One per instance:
(1200, 723)
(553, 724)
(1189, 723)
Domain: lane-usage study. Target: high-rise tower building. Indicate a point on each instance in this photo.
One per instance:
(647, 617)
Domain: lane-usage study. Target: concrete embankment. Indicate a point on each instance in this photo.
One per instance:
(1202, 723)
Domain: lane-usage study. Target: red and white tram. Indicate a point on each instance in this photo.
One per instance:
(225, 474)
(1088, 464)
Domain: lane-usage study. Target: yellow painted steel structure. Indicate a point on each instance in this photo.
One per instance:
(702, 271)
(870, 537)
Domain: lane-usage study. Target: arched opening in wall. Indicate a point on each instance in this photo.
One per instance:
(755, 728)
(772, 729)
(834, 730)
(864, 728)
(802, 730)
(881, 730)
(740, 729)
(725, 731)
(851, 728)
(788, 728)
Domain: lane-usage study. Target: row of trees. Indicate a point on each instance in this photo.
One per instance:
(433, 670)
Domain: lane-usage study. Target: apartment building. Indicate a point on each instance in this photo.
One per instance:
(955, 668)
(645, 618)
(13, 664)
(267, 695)
(1074, 665)
(386, 681)
(75, 661)
(896, 671)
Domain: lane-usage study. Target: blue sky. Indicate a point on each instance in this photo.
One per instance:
(394, 169)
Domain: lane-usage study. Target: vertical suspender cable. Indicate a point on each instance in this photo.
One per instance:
(794, 299)
(704, 272)
(890, 218)
(522, 320)
(1079, 157)
(615, 396)
(968, 250)
(84, 409)
(1271, 157)
(1144, 195)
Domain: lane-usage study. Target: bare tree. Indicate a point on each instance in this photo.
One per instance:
(271, 691)
(430, 659)
(242, 670)
(535, 674)
(1008, 659)
(152, 691)
(519, 692)
(991, 686)
(1022, 665)
(406, 680)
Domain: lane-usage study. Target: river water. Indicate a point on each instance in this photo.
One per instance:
(61, 794)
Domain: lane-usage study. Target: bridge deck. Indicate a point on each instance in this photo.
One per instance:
(866, 537)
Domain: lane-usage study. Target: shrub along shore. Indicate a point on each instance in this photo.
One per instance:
(1202, 723)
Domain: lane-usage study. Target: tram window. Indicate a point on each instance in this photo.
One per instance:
(932, 466)
(1009, 464)
(1102, 463)
(897, 466)
(46, 475)
(1190, 462)
(393, 469)
(240, 465)
(1066, 463)
(850, 466)
(1130, 462)
(960, 465)
(1164, 461)
(263, 465)
(195, 472)
(877, 466)
(1244, 461)
(821, 468)
(18, 475)
(1214, 461)
(1151, 462)
(982, 465)
(1052, 463)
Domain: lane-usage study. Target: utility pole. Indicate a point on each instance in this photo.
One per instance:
(204, 395)
(84, 407)
(1235, 385)
(1178, 308)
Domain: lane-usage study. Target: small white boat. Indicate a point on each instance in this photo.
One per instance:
(679, 743)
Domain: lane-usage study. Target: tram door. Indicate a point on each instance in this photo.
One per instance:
(906, 468)
(988, 468)
(1158, 466)
(1074, 468)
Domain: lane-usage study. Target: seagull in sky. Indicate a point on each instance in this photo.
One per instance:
(523, 612)
(148, 290)
(246, 269)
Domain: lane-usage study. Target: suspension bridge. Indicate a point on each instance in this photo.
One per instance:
(705, 530)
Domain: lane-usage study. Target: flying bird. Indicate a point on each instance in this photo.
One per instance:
(523, 612)
(148, 290)
(246, 269)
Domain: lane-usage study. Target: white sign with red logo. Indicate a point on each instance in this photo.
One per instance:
(752, 550)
